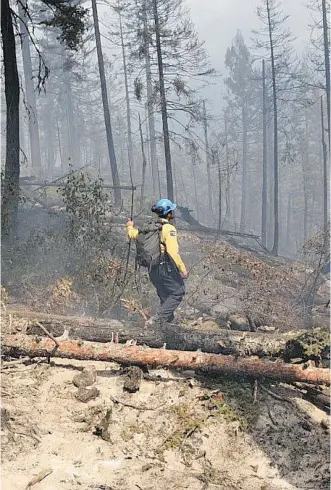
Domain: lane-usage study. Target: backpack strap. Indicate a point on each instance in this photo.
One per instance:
(161, 223)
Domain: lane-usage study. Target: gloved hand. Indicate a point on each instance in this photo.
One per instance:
(129, 223)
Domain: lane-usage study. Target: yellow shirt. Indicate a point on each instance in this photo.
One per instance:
(169, 242)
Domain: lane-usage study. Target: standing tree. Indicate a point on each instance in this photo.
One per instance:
(69, 18)
(29, 88)
(326, 50)
(10, 191)
(163, 102)
(109, 134)
(240, 82)
(207, 156)
(319, 54)
(264, 158)
(275, 39)
(166, 40)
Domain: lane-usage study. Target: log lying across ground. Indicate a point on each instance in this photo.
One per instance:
(24, 345)
(221, 342)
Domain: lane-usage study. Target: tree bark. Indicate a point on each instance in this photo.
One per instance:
(164, 110)
(325, 171)
(228, 210)
(264, 160)
(196, 226)
(271, 188)
(289, 221)
(74, 156)
(244, 171)
(29, 89)
(195, 190)
(327, 64)
(110, 141)
(151, 120)
(221, 342)
(11, 190)
(275, 107)
(127, 101)
(305, 180)
(205, 129)
(51, 152)
(59, 145)
(143, 180)
(17, 345)
(218, 162)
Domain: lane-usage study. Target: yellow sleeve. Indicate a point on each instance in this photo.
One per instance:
(132, 232)
(169, 239)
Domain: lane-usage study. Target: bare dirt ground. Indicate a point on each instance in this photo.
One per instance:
(180, 432)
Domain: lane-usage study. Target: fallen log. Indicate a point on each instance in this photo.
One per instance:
(196, 226)
(86, 328)
(61, 184)
(176, 337)
(22, 345)
(314, 395)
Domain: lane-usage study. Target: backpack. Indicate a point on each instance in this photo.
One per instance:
(148, 243)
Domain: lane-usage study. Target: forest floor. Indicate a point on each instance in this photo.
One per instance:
(180, 430)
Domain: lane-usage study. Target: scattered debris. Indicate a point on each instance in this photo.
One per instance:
(101, 429)
(41, 476)
(133, 376)
(86, 378)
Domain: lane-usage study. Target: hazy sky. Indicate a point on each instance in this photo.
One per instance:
(218, 20)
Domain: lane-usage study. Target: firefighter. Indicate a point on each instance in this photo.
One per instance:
(168, 274)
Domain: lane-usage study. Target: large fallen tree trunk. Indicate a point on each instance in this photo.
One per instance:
(221, 342)
(24, 345)
(196, 226)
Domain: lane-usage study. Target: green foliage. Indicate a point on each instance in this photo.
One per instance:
(312, 344)
(186, 422)
(87, 206)
(70, 19)
(77, 266)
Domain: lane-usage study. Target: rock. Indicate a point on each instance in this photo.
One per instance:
(239, 322)
(87, 394)
(210, 325)
(86, 378)
(220, 311)
(132, 381)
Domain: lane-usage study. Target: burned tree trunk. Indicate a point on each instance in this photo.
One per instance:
(11, 188)
(221, 342)
(106, 110)
(17, 345)
(29, 89)
(196, 226)
(163, 102)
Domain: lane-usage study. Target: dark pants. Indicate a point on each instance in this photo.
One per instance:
(170, 288)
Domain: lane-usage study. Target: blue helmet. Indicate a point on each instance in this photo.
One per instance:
(166, 205)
